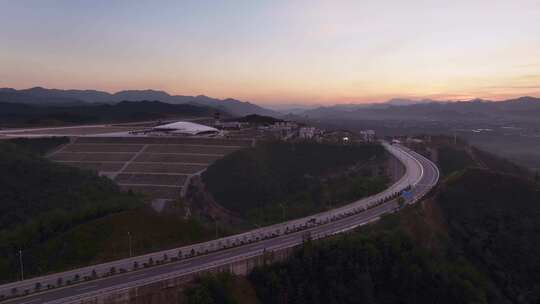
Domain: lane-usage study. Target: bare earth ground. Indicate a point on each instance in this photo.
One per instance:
(158, 167)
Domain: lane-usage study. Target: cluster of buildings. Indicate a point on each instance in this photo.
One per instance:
(275, 129)
(368, 135)
(287, 130)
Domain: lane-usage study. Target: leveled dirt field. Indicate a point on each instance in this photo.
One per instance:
(164, 140)
(151, 179)
(156, 166)
(103, 148)
(92, 156)
(164, 168)
(96, 166)
(176, 158)
(153, 191)
(197, 149)
(69, 131)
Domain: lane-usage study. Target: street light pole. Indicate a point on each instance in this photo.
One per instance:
(130, 248)
(215, 222)
(21, 263)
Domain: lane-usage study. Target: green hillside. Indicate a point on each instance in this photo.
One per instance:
(63, 217)
(39, 199)
(277, 179)
(474, 240)
(493, 220)
(40, 146)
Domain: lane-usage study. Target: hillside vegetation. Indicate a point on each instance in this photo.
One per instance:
(222, 288)
(63, 217)
(39, 199)
(277, 179)
(475, 240)
(493, 220)
(40, 146)
(106, 238)
(484, 248)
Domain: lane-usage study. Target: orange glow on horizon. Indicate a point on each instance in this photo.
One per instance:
(279, 52)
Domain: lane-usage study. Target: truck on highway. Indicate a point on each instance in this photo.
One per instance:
(306, 236)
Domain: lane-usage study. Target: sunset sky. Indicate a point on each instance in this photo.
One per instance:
(275, 52)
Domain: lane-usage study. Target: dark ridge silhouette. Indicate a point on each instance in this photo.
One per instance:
(43, 96)
(258, 119)
(13, 114)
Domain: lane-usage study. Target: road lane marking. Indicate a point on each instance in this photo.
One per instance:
(31, 301)
(137, 276)
(183, 265)
(87, 287)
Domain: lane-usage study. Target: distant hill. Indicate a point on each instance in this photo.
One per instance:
(259, 119)
(526, 108)
(37, 97)
(46, 97)
(405, 102)
(16, 114)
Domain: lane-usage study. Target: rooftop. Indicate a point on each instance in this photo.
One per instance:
(185, 127)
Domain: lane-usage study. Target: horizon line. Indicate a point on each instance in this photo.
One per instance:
(296, 103)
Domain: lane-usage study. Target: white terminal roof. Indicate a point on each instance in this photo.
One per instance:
(185, 127)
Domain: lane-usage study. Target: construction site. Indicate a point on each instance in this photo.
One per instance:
(157, 161)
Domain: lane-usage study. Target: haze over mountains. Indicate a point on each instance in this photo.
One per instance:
(48, 97)
(523, 108)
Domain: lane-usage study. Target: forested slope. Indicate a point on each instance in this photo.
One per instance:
(62, 217)
(39, 199)
(39, 145)
(294, 178)
(493, 220)
(474, 240)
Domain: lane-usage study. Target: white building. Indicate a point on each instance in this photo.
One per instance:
(231, 125)
(185, 128)
(368, 135)
(284, 125)
(307, 132)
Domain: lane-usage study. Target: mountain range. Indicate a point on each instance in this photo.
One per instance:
(20, 114)
(48, 97)
(523, 108)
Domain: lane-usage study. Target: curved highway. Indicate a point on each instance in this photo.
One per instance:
(420, 177)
